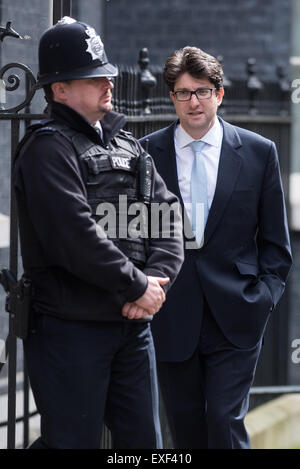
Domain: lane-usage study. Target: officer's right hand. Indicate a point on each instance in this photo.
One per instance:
(151, 301)
(154, 295)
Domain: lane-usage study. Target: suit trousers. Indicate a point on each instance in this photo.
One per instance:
(85, 374)
(206, 397)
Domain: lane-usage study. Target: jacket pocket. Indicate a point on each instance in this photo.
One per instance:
(245, 268)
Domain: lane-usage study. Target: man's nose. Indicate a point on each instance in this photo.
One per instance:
(109, 83)
(194, 101)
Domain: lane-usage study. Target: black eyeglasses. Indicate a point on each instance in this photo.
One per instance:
(186, 95)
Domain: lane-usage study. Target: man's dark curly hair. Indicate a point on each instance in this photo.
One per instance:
(194, 61)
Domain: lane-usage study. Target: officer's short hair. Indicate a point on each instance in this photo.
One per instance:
(194, 61)
(48, 93)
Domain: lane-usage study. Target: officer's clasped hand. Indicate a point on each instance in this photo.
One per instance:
(150, 302)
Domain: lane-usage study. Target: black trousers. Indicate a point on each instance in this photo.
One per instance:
(85, 374)
(206, 397)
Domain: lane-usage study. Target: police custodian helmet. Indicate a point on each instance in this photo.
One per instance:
(72, 50)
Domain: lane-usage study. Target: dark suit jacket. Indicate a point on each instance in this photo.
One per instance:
(245, 259)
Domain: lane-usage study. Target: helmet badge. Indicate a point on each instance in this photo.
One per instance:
(95, 45)
(66, 20)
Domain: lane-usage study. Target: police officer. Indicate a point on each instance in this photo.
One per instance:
(89, 350)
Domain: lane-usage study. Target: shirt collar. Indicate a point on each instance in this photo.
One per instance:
(213, 137)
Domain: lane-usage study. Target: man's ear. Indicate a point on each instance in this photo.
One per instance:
(220, 94)
(59, 91)
(172, 96)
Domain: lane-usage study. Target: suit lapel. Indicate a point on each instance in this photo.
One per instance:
(166, 164)
(229, 168)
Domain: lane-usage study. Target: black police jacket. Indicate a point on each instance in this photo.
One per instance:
(75, 273)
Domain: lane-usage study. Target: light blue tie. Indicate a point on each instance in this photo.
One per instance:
(199, 191)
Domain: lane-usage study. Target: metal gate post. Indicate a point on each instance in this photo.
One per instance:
(13, 265)
(61, 8)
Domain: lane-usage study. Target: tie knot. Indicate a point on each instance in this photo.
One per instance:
(197, 146)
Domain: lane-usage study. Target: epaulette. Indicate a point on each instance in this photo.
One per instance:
(46, 130)
(125, 132)
(42, 127)
(128, 141)
(30, 132)
(127, 135)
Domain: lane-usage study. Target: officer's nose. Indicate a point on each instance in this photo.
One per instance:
(109, 83)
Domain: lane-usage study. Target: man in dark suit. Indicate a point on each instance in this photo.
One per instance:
(209, 332)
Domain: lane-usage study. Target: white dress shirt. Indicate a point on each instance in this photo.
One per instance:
(185, 158)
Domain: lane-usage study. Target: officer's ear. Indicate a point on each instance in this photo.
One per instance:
(59, 90)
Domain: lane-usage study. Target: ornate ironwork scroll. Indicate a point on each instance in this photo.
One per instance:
(13, 83)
